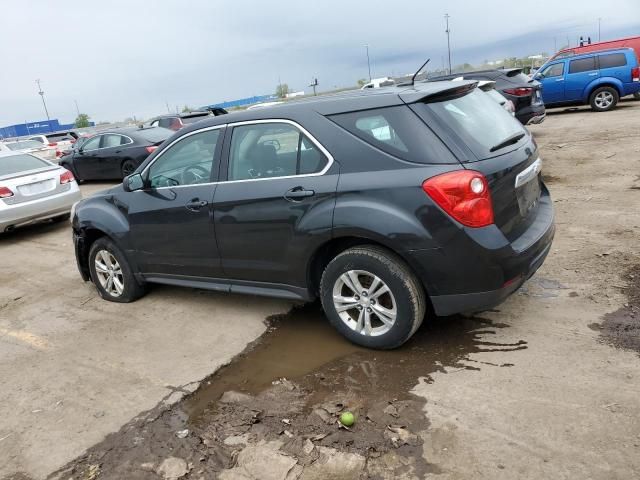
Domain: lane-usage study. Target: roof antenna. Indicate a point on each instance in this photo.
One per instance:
(413, 79)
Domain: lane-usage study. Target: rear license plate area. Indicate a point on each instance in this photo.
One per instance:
(37, 188)
(528, 195)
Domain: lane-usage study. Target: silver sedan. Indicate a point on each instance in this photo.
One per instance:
(33, 189)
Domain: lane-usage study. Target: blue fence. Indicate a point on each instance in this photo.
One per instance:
(33, 128)
(243, 101)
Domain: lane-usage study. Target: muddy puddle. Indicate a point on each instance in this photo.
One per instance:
(621, 329)
(288, 389)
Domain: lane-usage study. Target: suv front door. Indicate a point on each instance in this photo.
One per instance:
(276, 204)
(170, 220)
(552, 79)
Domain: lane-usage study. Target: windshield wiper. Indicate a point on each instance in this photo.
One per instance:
(509, 141)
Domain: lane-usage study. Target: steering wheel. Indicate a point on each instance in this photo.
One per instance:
(194, 174)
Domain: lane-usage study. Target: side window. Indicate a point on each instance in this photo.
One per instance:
(268, 150)
(582, 65)
(187, 162)
(396, 131)
(164, 122)
(556, 70)
(612, 60)
(37, 139)
(111, 140)
(92, 143)
(155, 123)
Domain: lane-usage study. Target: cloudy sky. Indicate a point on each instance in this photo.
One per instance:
(120, 58)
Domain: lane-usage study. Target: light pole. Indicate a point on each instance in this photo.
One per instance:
(446, 17)
(41, 93)
(77, 108)
(599, 20)
(368, 61)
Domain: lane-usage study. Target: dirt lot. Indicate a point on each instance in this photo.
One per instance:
(544, 386)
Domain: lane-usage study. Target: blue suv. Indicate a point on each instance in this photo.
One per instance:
(595, 78)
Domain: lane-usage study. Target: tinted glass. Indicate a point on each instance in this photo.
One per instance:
(154, 135)
(394, 130)
(39, 139)
(612, 60)
(582, 65)
(59, 137)
(112, 140)
(272, 150)
(20, 163)
(92, 143)
(24, 145)
(555, 70)
(477, 120)
(187, 162)
(193, 119)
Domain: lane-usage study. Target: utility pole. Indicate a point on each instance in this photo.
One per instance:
(599, 21)
(368, 61)
(167, 104)
(41, 93)
(77, 108)
(446, 17)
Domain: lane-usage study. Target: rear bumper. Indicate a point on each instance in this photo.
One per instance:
(527, 114)
(537, 119)
(38, 210)
(480, 271)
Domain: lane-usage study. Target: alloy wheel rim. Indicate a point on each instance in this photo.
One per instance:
(109, 273)
(604, 99)
(127, 169)
(364, 303)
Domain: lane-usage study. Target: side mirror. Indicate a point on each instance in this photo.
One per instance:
(133, 182)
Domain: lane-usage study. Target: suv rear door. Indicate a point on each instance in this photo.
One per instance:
(275, 203)
(580, 73)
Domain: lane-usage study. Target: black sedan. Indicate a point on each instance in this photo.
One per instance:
(113, 154)
(524, 92)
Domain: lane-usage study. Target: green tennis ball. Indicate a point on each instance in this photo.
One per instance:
(347, 419)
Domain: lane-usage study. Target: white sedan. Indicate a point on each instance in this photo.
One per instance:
(33, 189)
(29, 146)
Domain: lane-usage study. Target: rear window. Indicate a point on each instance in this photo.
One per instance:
(193, 119)
(20, 163)
(612, 60)
(478, 121)
(24, 145)
(154, 134)
(59, 137)
(396, 131)
(582, 65)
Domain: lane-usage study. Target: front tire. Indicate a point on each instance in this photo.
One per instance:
(604, 99)
(111, 273)
(372, 297)
(128, 167)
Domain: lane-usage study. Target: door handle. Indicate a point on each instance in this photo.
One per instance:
(560, 80)
(296, 194)
(593, 74)
(196, 204)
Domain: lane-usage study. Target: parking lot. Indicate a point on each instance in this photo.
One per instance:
(536, 388)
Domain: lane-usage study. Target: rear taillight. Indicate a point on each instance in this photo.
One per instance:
(53, 144)
(151, 148)
(635, 74)
(464, 195)
(519, 92)
(58, 153)
(66, 177)
(5, 192)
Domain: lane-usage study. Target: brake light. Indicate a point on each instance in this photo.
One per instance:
(519, 92)
(66, 177)
(635, 74)
(463, 194)
(53, 144)
(58, 153)
(5, 192)
(151, 148)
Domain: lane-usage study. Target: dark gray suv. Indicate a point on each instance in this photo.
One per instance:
(387, 204)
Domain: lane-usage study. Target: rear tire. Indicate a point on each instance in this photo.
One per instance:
(111, 273)
(604, 99)
(636, 96)
(370, 318)
(128, 167)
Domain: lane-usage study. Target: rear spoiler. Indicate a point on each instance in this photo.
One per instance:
(457, 89)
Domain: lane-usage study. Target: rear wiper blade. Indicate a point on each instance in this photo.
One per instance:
(509, 141)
